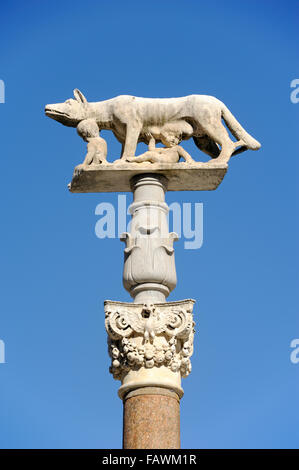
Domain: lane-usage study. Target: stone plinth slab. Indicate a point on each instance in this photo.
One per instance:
(181, 176)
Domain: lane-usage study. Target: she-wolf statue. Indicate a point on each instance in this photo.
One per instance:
(133, 120)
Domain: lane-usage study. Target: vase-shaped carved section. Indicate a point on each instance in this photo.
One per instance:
(149, 265)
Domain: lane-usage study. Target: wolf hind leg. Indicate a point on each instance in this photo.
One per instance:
(219, 134)
(242, 147)
(207, 145)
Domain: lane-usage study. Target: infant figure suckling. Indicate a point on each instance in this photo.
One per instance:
(88, 130)
(170, 134)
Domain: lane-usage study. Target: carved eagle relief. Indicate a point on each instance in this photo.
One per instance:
(149, 321)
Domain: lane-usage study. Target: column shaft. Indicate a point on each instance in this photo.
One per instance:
(151, 419)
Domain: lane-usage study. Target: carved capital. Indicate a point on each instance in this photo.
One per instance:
(150, 338)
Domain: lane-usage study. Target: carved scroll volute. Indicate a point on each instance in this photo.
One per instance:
(118, 324)
(179, 323)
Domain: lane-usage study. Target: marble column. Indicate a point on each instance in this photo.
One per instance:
(150, 341)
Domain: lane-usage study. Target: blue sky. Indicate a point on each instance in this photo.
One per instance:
(55, 388)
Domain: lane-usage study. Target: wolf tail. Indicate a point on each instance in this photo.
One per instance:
(238, 132)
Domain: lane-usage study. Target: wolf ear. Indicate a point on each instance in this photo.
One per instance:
(79, 96)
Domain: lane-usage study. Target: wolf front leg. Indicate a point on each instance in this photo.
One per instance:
(132, 135)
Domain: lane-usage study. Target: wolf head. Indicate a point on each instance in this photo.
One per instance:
(71, 112)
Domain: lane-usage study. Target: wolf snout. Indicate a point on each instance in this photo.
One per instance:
(48, 108)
